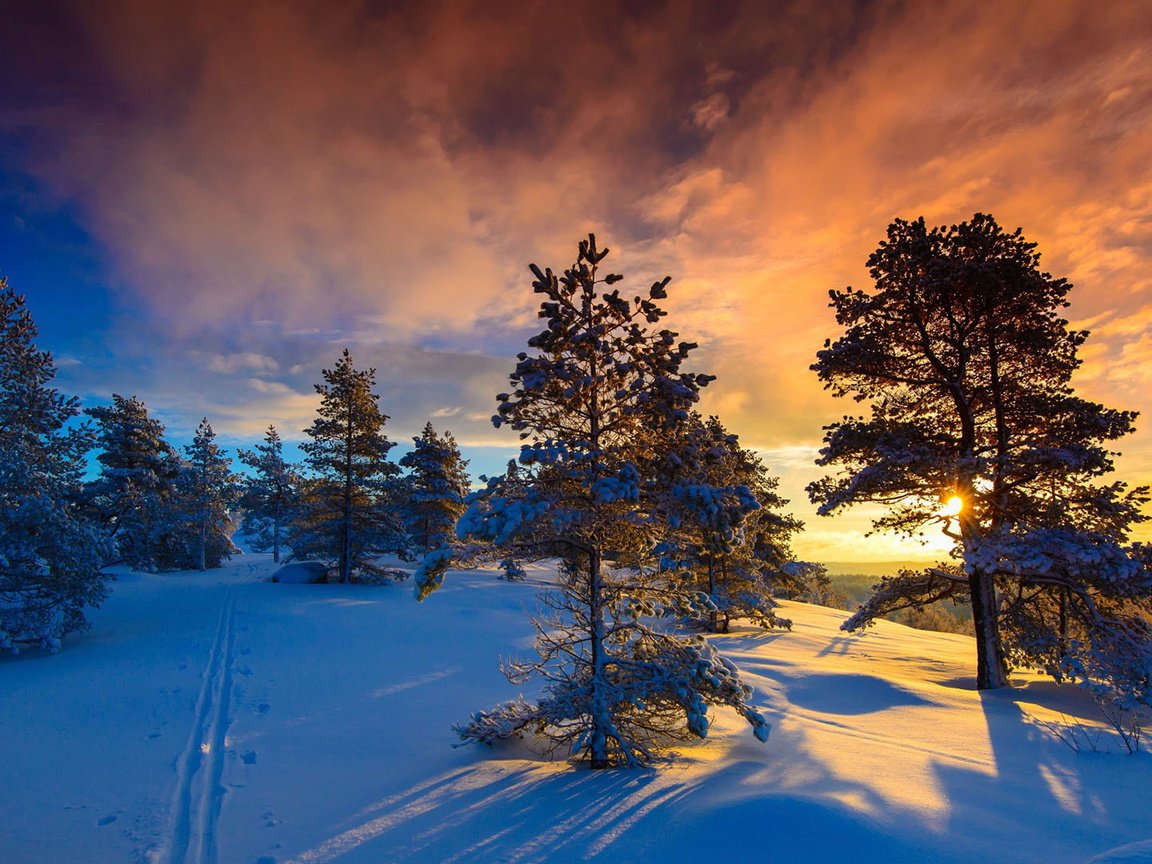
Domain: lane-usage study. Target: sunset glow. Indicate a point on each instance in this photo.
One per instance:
(205, 205)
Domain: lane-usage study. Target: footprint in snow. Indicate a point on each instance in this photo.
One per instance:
(249, 758)
(263, 708)
(107, 820)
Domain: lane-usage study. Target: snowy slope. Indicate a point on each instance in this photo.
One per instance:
(221, 718)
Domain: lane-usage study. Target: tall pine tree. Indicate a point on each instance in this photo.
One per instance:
(738, 553)
(348, 513)
(50, 554)
(132, 494)
(270, 494)
(437, 483)
(595, 400)
(207, 491)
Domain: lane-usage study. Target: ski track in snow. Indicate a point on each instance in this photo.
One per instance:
(199, 791)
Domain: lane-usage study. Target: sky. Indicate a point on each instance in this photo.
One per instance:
(205, 202)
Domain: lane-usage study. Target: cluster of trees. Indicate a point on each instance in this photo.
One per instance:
(347, 505)
(154, 508)
(160, 509)
(965, 363)
(657, 514)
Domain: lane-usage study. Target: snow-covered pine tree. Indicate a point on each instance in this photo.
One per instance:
(270, 494)
(737, 553)
(436, 485)
(966, 362)
(50, 554)
(348, 512)
(207, 491)
(595, 401)
(138, 471)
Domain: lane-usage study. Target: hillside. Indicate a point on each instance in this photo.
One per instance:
(219, 717)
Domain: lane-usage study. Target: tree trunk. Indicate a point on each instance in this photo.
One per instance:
(991, 668)
(1063, 622)
(201, 563)
(598, 740)
(601, 722)
(346, 539)
(346, 523)
(713, 615)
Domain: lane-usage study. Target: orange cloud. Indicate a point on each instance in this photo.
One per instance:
(383, 179)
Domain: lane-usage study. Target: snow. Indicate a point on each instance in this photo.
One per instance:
(221, 717)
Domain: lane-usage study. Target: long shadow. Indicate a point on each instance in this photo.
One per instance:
(789, 800)
(1039, 786)
(780, 802)
(840, 645)
(522, 812)
(502, 811)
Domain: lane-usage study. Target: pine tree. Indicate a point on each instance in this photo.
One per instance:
(727, 532)
(437, 484)
(270, 494)
(207, 492)
(138, 471)
(595, 400)
(962, 354)
(50, 554)
(348, 508)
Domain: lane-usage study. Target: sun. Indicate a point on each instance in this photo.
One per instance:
(952, 506)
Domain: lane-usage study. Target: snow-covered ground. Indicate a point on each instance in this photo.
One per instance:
(219, 717)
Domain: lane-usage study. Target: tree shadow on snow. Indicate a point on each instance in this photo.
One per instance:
(502, 811)
(849, 694)
(752, 805)
(1037, 782)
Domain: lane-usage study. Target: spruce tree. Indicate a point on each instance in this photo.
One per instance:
(348, 508)
(270, 494)
(595, 401)
(738, 553)
(50, 554)
(207, 492)
(437, 483)
(966, 363)
(132, 494)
